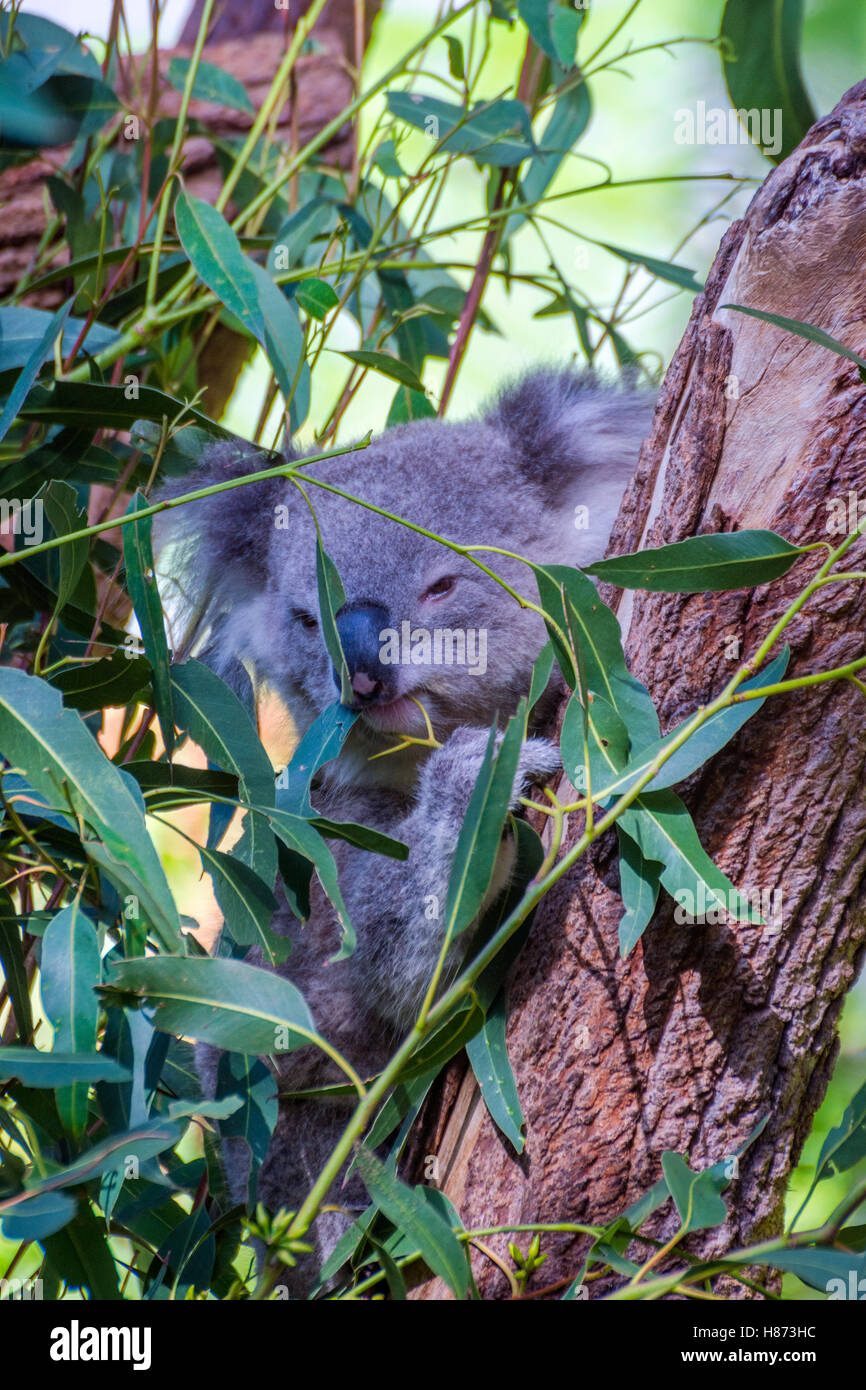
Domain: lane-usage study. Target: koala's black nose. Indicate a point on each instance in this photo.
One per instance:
(360, 626)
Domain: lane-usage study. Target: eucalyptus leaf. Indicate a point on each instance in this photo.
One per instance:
(702, 564)
(415, 1218)
(144, 592)
(760, 47)
(69, 971)
(225, 1002)
(488, 1056)
(211, 84)
(216, 256)
(62, 760)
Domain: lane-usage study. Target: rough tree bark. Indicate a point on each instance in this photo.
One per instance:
(706, 1029)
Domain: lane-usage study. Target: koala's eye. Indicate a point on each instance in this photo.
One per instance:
(441, 587)
(306, 620)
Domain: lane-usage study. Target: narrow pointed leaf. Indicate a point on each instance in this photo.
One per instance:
(703, 564)
(224, 1002)
(481, 832)
(696, 1195)
(702, 745)
(70, 970)
(32, 368)
(215, 719)
(51, 1069)
(639, 883)
(61, 759)
(428, 1232)
(664, 831)
(216, 256)
(488, 1054)
(760, 47)
(143, 590)
(211, 84)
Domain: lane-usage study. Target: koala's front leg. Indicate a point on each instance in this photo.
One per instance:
(399, 908)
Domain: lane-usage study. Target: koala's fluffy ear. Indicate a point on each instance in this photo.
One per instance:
(562, 421)
(217, 549)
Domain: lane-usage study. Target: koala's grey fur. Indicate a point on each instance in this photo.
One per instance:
(513, 478)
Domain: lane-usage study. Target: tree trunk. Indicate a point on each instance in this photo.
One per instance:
(704, 1030)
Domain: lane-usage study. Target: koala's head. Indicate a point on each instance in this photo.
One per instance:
(541, 475)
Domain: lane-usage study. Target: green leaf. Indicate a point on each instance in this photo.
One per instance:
(298, 232)
(332, 596)
(246, 903)
(601, 644)
(456, 62)
(540, 675)
(447, 1039)
(23, 328)
(215, 719)
(115, 680)
(115, 407)
(388, 366)
(664, 831)
(845, 1144)
(702, 564)
(52, 1069)
(81, 1257)
(252, 1084)
(568, 120)
(39, 1216)
(32, 368)
(61, 507)
(61, 110)
(62, 759)
(13, 967)
(663, 270)
(696, 1195)
(408, 405)
(537, 16)
(216, 256)
(819, 1268)
(70, 970)
(283, 343)
(224, 1002)
(761, 62)
(316, 298)
(298, 835)
(406, 1096)
(607, 744)
(210, 84)
(428, 1232)
(639, 882)
(320, 745)
(564, 25)
(488, 1054)
(386, 161)
(49, 48)
(803, 330)
(485, 132)
(702, 745)
(481, 832)
(144, 592)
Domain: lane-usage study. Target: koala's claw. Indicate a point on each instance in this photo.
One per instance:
(539, 760)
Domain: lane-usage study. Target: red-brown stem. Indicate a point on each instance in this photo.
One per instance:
(473, 299)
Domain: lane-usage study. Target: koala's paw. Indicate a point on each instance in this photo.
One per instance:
(539, 761)
(451, 772)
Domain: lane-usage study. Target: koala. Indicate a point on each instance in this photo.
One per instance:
(556, 441)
